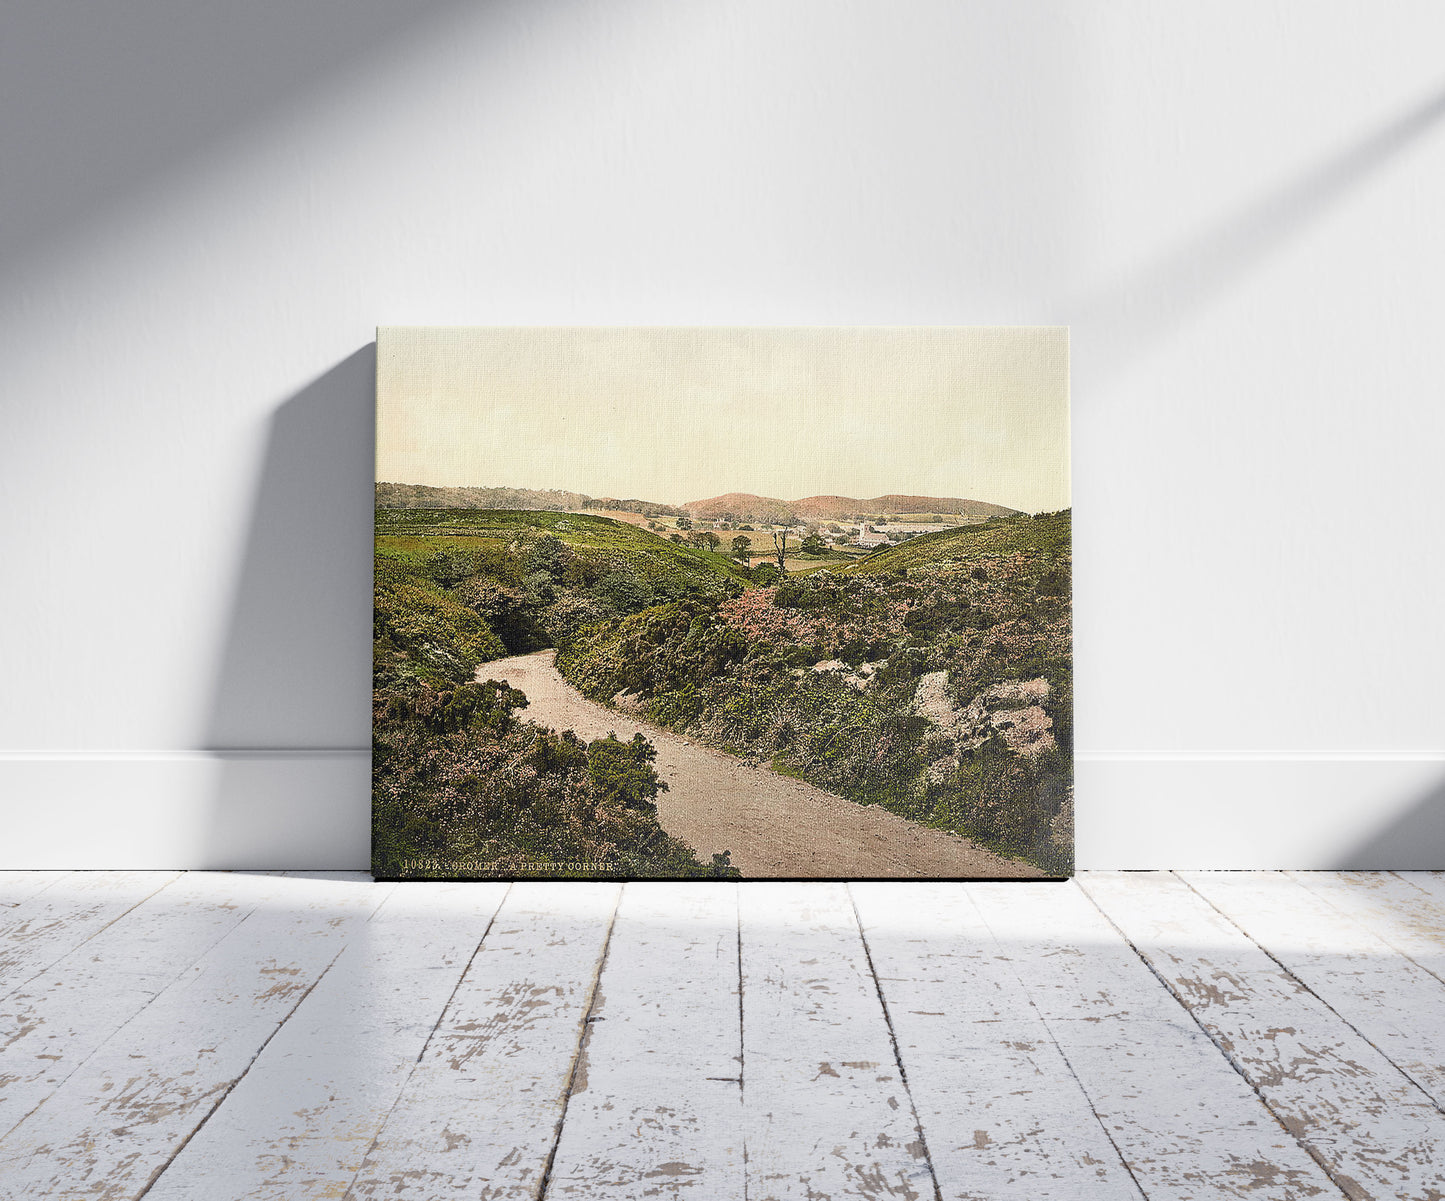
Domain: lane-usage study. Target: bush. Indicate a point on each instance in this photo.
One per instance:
(737, 675)
(461, 787)
(621, 775)
(548, 554)
(446, 711)
(450, 566)
(507, 611)
(439, 638)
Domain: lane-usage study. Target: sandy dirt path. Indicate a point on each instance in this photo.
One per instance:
(774, 826)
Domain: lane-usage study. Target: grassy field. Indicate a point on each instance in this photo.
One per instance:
(1049, 533)
(412, 531)
(626, 516)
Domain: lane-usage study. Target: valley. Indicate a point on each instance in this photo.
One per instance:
(893, 709)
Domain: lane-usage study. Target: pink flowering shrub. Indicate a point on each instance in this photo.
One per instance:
(740, 673)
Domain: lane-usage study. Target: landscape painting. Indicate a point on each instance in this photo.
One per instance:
(722, 603)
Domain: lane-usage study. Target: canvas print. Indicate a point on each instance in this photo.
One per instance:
(673, 603)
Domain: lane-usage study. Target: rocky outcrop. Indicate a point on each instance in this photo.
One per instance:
(1013, 709)
(855, 677)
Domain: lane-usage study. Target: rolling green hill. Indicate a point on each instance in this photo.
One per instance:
(597, 540)
(1049, 532)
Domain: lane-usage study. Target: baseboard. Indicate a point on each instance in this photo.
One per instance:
(277, 809)
(1256, 810)
(309, 809)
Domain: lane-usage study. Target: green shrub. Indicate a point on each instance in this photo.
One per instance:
(621, 773)
(751, 691)
(441, 638)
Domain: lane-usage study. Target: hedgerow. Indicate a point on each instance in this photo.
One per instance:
(461, 785)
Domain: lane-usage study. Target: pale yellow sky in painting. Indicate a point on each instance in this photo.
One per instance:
(676, 414)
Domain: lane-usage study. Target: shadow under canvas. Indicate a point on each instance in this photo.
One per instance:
(289, 724)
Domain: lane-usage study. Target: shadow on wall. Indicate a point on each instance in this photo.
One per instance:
(1126, 318)
(118, 96)
(1415, 841)
(290, 716)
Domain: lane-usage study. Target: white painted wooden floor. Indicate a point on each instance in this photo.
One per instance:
(1190, 1035)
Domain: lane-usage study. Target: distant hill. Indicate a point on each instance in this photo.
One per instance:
(831, 508)
(741, 506)
(648, 508)
(744, 506)
(734, 506)
(423, 496)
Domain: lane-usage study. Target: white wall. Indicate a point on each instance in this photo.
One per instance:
(206, 207)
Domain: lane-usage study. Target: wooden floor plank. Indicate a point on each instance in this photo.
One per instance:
(656, 1110)
(826, 1111)
(1430, 883)
(1392, 1002)
(1375, 1131)
(299, 1124)
(50, 1025)
(1404, 909)
(1186, 1124)
(204, 1052)
(479, 1115)
(123, 1114)
(49, 924)
(15, 887)
(1001, 1113)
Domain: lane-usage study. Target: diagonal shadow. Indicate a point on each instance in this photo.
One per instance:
(289, 721)
(294, 670)
(97, 100)
(1413, 842)
(1146, 306)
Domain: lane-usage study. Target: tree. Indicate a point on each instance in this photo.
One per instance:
(780, 545)
(742, 546)
(684, 522)
(813, 544)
